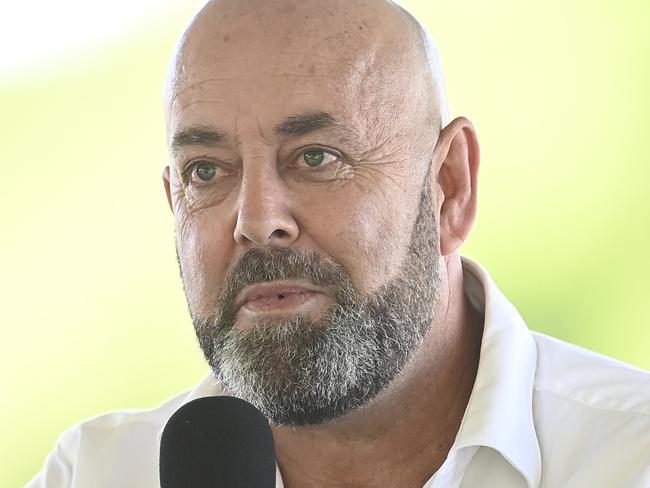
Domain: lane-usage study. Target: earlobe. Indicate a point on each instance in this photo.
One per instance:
(457, 154)
(167, 185)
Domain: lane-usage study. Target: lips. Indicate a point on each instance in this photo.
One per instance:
(261, 293)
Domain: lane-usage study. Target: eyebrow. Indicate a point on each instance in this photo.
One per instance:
(197, 136)
(300, 125)
(297, 125)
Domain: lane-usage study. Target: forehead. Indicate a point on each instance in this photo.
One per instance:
(286, 61)
(267, 82)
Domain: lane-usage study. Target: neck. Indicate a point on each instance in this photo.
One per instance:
(404, 434)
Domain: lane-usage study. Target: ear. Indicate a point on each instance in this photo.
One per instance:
(457, 157)
(166, 183)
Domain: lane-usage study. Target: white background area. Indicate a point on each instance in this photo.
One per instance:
(35, 35)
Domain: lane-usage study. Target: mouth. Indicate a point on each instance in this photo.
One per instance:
(281, 299)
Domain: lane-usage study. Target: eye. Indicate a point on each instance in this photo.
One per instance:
(318, 157)
(205, 171)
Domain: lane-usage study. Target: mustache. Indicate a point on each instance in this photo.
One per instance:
(259, 265)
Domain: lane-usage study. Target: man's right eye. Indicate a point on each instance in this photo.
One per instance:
(202, 172)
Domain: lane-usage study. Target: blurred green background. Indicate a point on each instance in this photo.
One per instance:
(92, 315)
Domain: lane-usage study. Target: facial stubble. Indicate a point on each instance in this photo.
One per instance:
(305, 371)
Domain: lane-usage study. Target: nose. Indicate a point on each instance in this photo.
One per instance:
(264, 217)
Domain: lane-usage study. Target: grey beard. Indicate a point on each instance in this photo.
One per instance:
(305, 371)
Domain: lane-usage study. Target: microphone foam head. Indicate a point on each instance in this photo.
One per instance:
(217, 442)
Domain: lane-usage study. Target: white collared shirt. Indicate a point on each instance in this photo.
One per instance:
(542, 414)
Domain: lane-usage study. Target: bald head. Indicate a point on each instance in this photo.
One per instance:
(376, 51)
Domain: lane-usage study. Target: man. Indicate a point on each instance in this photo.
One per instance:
(321, 194)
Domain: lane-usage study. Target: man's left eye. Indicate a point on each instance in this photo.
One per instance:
(318, 157)
(206, 171)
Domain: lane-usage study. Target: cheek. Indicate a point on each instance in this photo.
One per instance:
(367, 234)
(203, 249)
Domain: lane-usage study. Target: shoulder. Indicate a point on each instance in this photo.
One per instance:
(86, 454)
(592, 417)
(591, 379)
(132, 421)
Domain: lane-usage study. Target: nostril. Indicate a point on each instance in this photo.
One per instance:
(278, 234)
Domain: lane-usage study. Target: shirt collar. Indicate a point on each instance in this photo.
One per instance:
(499, 413)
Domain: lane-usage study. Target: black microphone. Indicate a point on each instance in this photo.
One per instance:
(217, 442)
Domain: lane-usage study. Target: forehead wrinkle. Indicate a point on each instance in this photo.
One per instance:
(177, 89)
(261, 133)
(176, 94)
